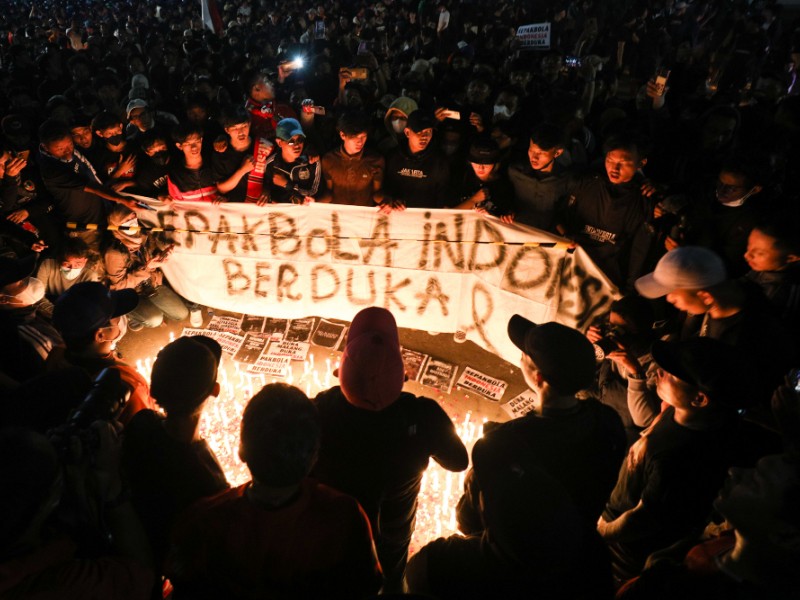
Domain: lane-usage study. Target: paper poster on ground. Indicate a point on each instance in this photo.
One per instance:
(328, 334)
(252, 324)
(230, 342)
(485, 385)
(271, 366)
(520, 405)
(251, 349)
(225, 323)
(299, 330)
(414, 362)
(275, 328)
(292, 350)
(439, 375)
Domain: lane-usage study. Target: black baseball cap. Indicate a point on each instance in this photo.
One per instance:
(420, 120)
(88, 306)
(563, 355)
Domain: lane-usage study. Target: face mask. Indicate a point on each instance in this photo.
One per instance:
(160, 158)
(736, 202)
(122, 325)
(115, 140)
(398, 125)
(502, 111)
(70, 274)
(32, 293)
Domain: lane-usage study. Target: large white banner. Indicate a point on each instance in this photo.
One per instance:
(436, 270)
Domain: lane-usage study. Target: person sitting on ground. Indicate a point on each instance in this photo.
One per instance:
(92, 320)
(377, 440)
(75, 263)
(168, 465)
(281, 535)
(133, 259)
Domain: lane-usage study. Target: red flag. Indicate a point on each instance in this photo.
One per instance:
(211, 17)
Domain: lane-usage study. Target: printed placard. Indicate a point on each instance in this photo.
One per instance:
(272, 366)
(483, 384)
(535, 36)
(225, 323)
(300, 330)
(414, 362)
(328, 334)
(191, 331)
(251, 349)
(230, 342)
(252, 324)
(520, 405)
(275, 328)
(292, 350)
(439, 375)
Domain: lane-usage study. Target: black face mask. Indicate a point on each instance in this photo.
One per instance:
(115, 140)
(160, 158)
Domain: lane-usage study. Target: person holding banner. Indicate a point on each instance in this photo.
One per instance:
(189, 178)
(295, 176)
(239, 165)
(353, 173)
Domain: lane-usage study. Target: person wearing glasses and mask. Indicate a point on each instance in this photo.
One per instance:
(723, 221)
(294, 177)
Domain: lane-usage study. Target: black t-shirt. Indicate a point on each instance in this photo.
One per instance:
(224, 164)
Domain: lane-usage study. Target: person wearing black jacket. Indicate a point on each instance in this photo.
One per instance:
(608, 215)
(417, 174)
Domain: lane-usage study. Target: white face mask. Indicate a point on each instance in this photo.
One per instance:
(398, 125)
(737, 201)
(70, 274)
(502, 111)
(32, 293)
(122, 325)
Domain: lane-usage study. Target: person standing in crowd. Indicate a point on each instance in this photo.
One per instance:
(152, 165)
(293, 176)
(671, 475)
(240, 167)
(626, 374)
(190, 177)
(417, 174)
(541, 184)
(353, 172)
(377, 440)
(485, 188)
(773, 255)
(73, 181)
(608, 214)
(580, 443)
(282, 534)
(169, 466)
(694, 281)
(264, 110)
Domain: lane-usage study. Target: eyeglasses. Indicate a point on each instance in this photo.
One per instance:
(296, 141)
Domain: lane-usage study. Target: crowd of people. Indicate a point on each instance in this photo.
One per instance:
(662, 458)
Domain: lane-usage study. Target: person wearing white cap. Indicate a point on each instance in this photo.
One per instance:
(694, 280)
